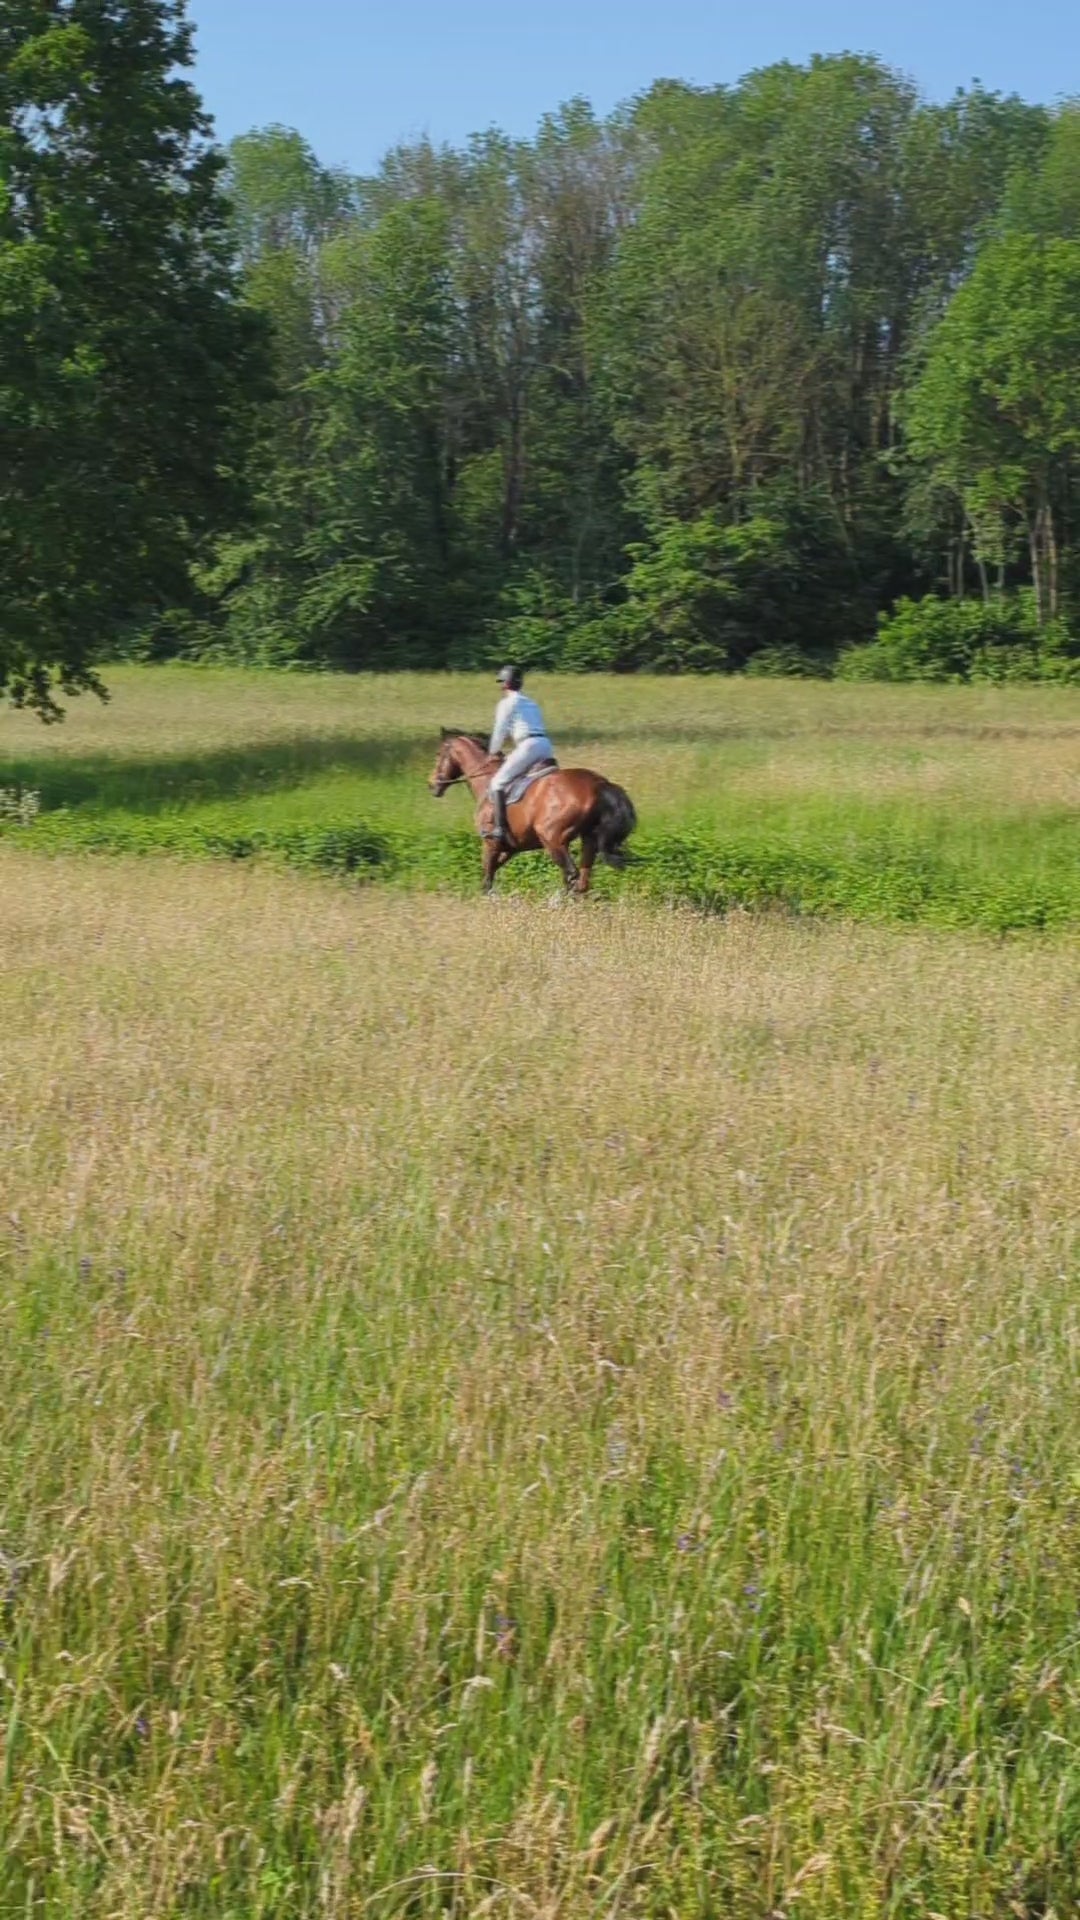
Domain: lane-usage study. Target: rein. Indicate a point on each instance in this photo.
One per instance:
(478, 773)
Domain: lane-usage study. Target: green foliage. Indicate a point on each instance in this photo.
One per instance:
(877, 880)
(429, 327)
(705, 595)
(284, 204)
(127, 367)
(1043, 197)
(785, 661)
(703, 386)
(631, 407)
(376, 555)
(790, 233)
(934, 639)
(534, 623)
(349, 556)
(995, 411)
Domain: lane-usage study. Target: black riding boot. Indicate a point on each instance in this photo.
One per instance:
(499, 828)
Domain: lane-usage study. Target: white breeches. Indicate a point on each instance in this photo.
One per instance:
(523, 756)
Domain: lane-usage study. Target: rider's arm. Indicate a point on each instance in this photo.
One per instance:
(502, 722)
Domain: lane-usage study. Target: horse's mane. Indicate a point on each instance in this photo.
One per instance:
(462, 733)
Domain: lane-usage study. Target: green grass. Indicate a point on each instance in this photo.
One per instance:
(951, 806)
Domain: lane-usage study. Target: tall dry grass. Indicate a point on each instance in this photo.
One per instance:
(531, 1413)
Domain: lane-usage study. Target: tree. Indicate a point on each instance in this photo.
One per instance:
(582, 194)
(531, 512)
(1044, 195)
(128, 367)
(378, 557)
(624, 392)
(282, 200)
(289, 216)
(994, 414)
(776, 588)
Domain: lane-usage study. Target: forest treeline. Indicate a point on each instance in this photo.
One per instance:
(782, 376)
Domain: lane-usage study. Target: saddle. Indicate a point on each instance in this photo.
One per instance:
(519, 787)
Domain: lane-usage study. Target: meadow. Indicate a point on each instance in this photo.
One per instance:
(955, 806)
(534, 1413)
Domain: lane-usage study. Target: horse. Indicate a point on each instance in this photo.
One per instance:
(566, 805)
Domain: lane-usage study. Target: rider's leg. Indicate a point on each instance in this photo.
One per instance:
(516, 762)
(499, 828)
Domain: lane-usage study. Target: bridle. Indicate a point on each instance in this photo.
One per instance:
(457, 779)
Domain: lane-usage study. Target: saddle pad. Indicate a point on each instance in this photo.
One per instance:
(539, 772)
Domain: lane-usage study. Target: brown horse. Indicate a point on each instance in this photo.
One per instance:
(567, 805)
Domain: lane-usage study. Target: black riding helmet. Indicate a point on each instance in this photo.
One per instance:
(510, 677)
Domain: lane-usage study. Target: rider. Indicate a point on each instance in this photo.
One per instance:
(519, 719)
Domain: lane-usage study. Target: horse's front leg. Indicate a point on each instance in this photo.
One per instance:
(495, 856)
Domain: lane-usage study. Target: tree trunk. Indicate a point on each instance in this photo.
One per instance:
(1035, 549)
(514, 478)
(1053, 565)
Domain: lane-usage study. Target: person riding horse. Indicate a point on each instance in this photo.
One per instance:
(559, 808)
(518, 719)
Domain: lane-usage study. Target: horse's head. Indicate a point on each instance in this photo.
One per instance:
(448, 765)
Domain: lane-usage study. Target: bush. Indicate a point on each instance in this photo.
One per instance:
(714, 595)
(964, 640)
(786, 662)
(880, 879)
(531, 623)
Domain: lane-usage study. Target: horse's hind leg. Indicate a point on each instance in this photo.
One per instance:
(559, 851)
(588, 861)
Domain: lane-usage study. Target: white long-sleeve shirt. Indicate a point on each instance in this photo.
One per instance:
(516, 718)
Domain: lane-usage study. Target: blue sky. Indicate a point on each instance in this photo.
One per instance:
(356, 77)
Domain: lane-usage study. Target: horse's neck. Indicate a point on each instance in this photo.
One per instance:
(477, 772)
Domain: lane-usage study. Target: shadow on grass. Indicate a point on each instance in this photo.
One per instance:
(157, 783)
(151, 783)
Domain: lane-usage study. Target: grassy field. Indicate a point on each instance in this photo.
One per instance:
(953, 806)
(525, 1413)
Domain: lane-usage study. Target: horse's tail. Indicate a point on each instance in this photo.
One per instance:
(613, 822)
